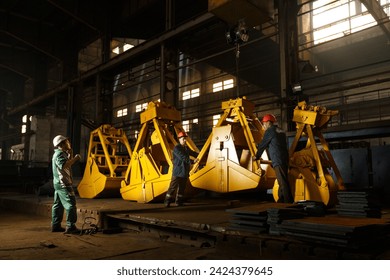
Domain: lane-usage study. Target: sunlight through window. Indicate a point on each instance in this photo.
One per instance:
(223, 85)
(335, 19)
(190, 94)
(216, 119)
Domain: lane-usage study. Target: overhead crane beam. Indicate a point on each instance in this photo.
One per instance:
(377, 12)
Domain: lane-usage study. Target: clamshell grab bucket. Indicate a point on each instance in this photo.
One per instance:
(108, 159)
(150, 171)
(225, 161)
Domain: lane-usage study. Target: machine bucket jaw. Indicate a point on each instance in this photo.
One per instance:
(226, 160)
(150, 170)
(310, 168)
(108, 156)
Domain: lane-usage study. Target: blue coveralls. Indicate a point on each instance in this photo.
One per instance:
(275, 142)
(180, 173)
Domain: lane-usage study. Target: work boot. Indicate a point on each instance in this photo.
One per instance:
(167, 203)
(57, 229)
(72, 230)
(179, 200)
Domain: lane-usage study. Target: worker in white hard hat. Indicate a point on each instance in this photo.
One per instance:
(64, 196)
(180, 172)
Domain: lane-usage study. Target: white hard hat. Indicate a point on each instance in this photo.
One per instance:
(58, 139)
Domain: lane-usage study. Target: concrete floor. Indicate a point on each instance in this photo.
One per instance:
(196, 231)
(28, 237)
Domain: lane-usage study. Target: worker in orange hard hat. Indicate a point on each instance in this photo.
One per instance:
(181, 170)
(275, 141)
(181, 135)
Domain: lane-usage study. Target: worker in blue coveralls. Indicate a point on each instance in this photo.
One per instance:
(181, 171)
(64, 196)
(275, 141)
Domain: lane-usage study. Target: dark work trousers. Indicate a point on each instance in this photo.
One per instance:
(284, 191)
(179, 184)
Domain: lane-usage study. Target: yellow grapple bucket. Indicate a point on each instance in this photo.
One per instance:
(108, 158)
(309, 176)
(226, 163)
(95, 184)
(150, 171)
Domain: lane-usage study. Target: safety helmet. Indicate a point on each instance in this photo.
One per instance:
(58, 139)
(269, 118)
(182, 134)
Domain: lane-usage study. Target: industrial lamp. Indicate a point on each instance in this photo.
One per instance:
(237, 34)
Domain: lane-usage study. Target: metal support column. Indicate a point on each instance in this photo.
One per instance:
(73, 130)
(168, 63)
(98, 103)
(288, 44)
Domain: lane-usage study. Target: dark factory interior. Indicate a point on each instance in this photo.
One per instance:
(122, 79)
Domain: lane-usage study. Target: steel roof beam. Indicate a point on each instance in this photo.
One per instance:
(79, 19)
(376, 10)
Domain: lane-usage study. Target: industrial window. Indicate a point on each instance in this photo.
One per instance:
(228, 84)
(386, 6)
(141, 107)
(187, 124)
(223, 85)
(24, 124)
(335, 19)
(190, 94)
(216, 119)
(121, 112)
(122, 49)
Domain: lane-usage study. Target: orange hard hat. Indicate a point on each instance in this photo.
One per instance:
(182, 134)
(269, 118)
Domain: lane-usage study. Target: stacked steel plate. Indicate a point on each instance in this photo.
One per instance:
(262, 218)
(338, 231)
(357, 204)
(277, 215)
(248, 219)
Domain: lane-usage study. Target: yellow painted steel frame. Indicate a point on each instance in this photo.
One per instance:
(225, 161)
(109, 155)
(309, 174)
(149, 173)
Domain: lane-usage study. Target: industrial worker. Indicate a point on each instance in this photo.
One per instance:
(64, 196)
(275, 141)
(181, 170)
